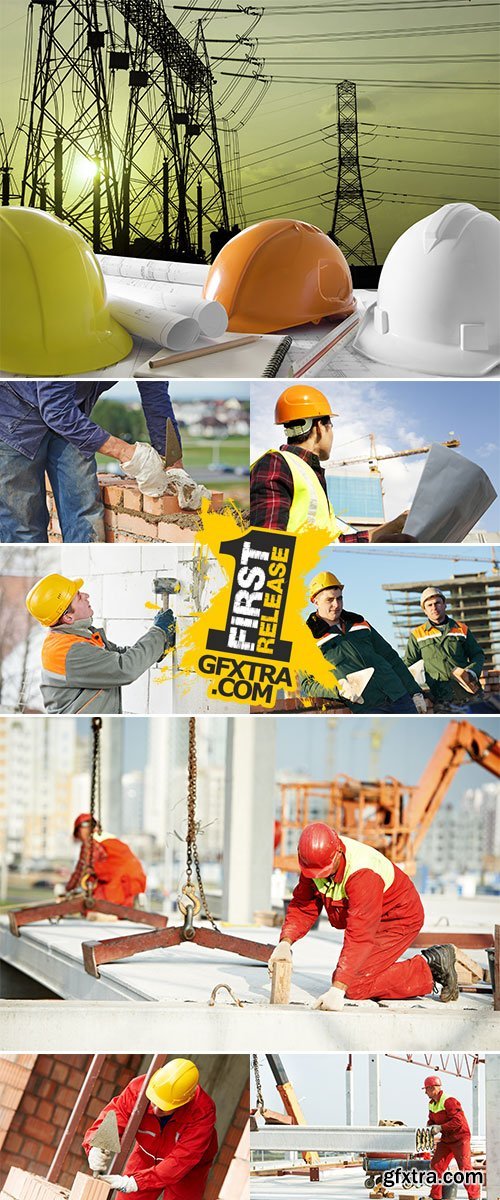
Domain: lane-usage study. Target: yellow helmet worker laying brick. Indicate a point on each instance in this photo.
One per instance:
(82, 671)
(288, 487)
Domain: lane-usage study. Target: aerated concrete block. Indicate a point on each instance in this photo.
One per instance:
(87, 1188)
(22, 1185)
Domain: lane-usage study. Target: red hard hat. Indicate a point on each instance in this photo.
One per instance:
(318, 845)
(431, 1081)
(81, 819)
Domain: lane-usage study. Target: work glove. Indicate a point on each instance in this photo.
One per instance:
(60, 890)
(331, 1001)
(419, 702)
(121, 1183)
(99, 1160)
(147, 468)
(166, 621)
(189, 494)
(281, 953)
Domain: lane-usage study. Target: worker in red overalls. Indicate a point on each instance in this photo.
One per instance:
(454, 1141)
(176, 1142)
(381, 911)
(115, 872)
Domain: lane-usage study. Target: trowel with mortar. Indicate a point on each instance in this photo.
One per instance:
(189, 494)
(352, 687)
(106, 1138)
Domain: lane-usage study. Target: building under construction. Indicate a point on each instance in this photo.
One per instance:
(474, 599)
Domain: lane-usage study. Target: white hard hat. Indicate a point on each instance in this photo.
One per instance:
(428, 593)
(438, 304)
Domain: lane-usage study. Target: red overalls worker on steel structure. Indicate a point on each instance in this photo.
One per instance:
(381, 912)
(176, 1142)
(117, 873)
(454, 1143)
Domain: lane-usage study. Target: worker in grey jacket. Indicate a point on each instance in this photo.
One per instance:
(82, 671)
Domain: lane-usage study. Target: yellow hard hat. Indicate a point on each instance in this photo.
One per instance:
(55, 317)
(300, 401)
(325, 579)
(280, 273)
(174, 1084)
(51, 596)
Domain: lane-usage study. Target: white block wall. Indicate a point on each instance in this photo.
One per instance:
(120, 583)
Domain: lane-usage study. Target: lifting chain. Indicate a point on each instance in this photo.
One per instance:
(192, 905)
(88, 881)
(258, 1084)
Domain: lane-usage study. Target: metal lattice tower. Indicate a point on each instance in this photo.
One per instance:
(122, 139)
(351, 227)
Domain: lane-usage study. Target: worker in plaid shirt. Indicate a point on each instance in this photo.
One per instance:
(288, 486)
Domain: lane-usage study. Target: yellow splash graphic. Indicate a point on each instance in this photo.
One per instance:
(264, 676)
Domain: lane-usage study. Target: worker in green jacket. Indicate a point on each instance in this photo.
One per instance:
(452, 659)
(368, 670)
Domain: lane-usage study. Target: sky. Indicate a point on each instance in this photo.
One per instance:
(425, 76)
(180, 389)
(321, 748)
(402, 415)
(319, 1081)
(364, 569)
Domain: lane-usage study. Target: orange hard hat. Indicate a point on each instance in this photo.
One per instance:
(300, 402)
(318, 845)
(280, 273)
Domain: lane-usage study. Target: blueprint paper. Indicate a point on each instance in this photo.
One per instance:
(452, 495)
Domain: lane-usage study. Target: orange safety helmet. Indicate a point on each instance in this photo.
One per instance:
(300, 402)
(280, 273)
(318, 845)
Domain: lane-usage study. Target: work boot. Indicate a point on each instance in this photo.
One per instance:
(441, 961)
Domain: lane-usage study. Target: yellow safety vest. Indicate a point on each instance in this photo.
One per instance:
(436, 1106)
(310, 504)
(358, 857)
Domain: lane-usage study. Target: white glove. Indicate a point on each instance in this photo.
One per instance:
(59, 890)
(281, 953)
(189, 493)
(122, 1183)
(99, 1160)
(147, 468)
(419, 702)
(331, 1001)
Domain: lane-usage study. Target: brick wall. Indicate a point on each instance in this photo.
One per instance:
(15, 1071)
(45, 1105)
(131, 517)
(230, 1178)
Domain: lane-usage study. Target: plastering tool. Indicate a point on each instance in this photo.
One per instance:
(106, 1137)
(173, 448)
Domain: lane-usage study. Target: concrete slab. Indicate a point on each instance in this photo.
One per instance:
(184, 977)
(344, 1184)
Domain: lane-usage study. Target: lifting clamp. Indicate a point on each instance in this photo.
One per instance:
(191, 902)
(82, 902)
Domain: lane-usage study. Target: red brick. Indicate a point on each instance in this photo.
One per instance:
(132, 500)
(67, 1096)
(173, 533)
(112, 494)
(158, 506)
(217, 500)
(42, 1131)
(137, 526)
(29, 1104)
(60, 1072)
(46, 1087)
(16, 1143)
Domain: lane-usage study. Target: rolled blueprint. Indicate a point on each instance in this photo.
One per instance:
(452, 494)
(177, 297)
(159, 325)
(151, 268)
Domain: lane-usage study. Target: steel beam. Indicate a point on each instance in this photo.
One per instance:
(361, 1139)
(464, 941)
(83, 907)
(95, 954)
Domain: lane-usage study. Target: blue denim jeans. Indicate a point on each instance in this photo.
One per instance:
(24, 515)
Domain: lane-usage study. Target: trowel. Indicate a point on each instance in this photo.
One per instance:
(352, 687)
(173, 448)
(106, 1137)
(469, 685)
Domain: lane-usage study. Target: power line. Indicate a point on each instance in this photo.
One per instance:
(424, 129)
(378, 34)
(398, 83)
(413, 58)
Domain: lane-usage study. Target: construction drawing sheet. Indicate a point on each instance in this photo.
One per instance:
(452, 494)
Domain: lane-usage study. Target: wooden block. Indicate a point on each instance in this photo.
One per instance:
(468, 970)
(85, 1187)
(281, 982)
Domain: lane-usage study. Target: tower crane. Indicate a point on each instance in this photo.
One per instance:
(373, 458)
